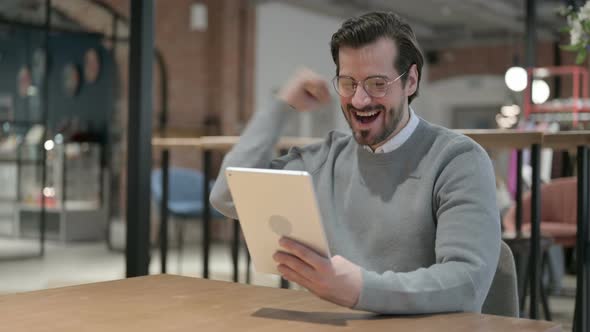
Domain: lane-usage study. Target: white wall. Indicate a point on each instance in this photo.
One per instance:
(289, 37)
(438, 99)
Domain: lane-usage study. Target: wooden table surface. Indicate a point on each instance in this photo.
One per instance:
(225, 143)
(504, 139)
(174, 303)
(566, 139)
(507, 139)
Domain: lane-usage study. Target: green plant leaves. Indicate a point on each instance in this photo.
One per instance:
(571, 48)
(581, 57)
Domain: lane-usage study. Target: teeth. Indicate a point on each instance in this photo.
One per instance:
(371, 113)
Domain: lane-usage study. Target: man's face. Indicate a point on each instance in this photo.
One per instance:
(374, 120)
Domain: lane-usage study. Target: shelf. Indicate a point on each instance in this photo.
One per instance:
(577, 104)
(543, 108)
(560, 116)
(25, 162)
(21, 122)
(70, 206)
(71, 169)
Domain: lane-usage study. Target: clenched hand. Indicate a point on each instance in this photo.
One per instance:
(305, 91)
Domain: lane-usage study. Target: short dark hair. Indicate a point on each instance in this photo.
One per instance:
(362, 30)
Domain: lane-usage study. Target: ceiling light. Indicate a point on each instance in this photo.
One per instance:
(540, 91)
(49, 145)
(49, 192)
(516, 78)
(510, 110)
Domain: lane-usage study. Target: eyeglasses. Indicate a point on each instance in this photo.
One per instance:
(375, 86)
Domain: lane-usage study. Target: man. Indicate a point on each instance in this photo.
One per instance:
(409, 208)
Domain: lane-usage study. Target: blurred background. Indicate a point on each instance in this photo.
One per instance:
(65, 96)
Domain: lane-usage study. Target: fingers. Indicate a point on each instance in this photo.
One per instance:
(306, 254)
(295, 264)
(318, 89)
(292, 275)
(318, 286)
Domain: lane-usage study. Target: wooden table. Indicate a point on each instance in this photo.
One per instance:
(503, 138)
(173, 303)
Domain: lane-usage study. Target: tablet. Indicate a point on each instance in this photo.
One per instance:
(275, 203)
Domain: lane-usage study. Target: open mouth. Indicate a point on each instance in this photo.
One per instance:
(366, 117)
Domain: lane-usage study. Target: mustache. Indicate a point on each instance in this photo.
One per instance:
(369, 108)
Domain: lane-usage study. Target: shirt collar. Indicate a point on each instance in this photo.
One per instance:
(396, 141)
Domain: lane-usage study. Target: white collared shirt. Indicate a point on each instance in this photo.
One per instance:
(401, 137)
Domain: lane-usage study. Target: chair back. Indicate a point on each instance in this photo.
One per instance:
(559, 200)
(558, 212)
(184, 185)
(502, 299)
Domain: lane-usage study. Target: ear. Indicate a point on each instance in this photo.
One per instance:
(412, 81)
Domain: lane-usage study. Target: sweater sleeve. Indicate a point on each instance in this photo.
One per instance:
(254, 149)
(467, 244)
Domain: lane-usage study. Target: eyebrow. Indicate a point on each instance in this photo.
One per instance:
(379, 76)
(370, 76)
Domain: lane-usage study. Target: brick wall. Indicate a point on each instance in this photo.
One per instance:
(494, 60)
(209, 73)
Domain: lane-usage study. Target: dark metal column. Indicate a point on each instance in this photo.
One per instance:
(113, 39)
(586, 263)
(43, 216)
(557, 62)
(518, 198)
(581, 323)
(163, 118)
(45, 120)
(139, 152)
(535, 257)
(531, 34)
(235, 250)
(164, 210)
(521, 259)
(206, 211)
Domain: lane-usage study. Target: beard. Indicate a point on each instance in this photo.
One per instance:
(386, 124)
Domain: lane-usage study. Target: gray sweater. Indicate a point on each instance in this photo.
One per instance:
(421, 221)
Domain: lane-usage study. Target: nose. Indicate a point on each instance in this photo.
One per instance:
(360, 99)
